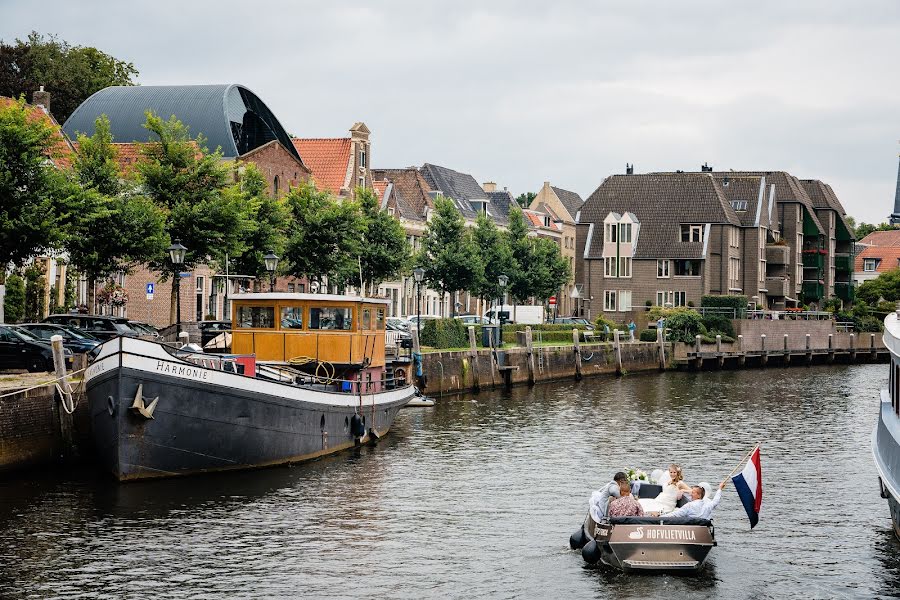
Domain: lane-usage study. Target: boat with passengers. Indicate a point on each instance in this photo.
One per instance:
(886, 437)
(307, 377)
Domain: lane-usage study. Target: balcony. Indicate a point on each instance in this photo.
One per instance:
(843, 262)
(778, 255)
(813, 290)
(778, 286)
(813, 259)
(845, 291)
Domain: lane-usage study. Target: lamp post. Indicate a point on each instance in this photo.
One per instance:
(502, 280)
(176, 253)
(271, 260)
(419, 275)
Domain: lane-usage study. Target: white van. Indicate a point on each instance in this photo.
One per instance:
(521, 313)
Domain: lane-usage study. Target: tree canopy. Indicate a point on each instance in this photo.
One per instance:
(384, 251)
(69, 73)
(496, 258)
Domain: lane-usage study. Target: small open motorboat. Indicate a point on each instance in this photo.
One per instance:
(646, 543)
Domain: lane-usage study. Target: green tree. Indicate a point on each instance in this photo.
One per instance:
(29, 187)
(449, 254)
(35, 285)
(496, 258)
(384, 252)
(14, 302)
(323, 235)
(95, 161)
(267, 222)
(886, 285)
(188, 182)
(520, 285)
(69, 73)
(524, 199)
(548, 270)
(864, 229)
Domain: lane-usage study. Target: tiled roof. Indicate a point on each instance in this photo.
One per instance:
(380, 187)
(787, 189)
(535, 219)
(128, 154)
(463, 190)
(661, 202)
(327, 158)
(887, 257)
(61, 152)
(739, 190)
(410, 191)
(501, 203)
(882, 239)
(824, 198)
(570, 200)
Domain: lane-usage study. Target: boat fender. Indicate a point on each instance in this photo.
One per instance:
(882, 491)
(578, 539)
(591, 552)
(357, 428)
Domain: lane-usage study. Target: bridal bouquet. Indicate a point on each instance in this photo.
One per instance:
(637, 475)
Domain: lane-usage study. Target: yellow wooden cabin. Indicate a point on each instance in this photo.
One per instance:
(288, 328)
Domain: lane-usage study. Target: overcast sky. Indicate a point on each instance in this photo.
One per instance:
(528, 91)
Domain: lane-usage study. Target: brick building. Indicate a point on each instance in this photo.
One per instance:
(562, 207)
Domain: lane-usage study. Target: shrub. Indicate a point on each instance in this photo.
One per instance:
(444, 333)
(684, 325)
(720, 323)
(602, 324)
(14, 303)
(648, 335)
(737, 303)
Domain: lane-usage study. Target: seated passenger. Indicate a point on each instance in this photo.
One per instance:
(668, 498)
(625, 505)
(599, 502)
(699, 507)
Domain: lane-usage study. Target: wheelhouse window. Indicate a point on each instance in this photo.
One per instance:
(379, 319)
(687, 268)
(331, 318)
(291, 317)
(691, 233)
(367, 319)
(256, 317)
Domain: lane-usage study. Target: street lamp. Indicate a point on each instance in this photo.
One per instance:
(419, 275)
(176, 254)
(502, 280)
(271, 260)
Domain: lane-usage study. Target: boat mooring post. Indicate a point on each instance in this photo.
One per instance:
(853, 347)
(529, 345)
(872, 346)
(698, 359)
(742, 357)
(661, 338)
(787, 353)
(830, 348)
(577, 345)
(618, 348)
(184, 339)
(66, 419)
(473, 357)
(808, 350)
(719, 355)
(764, 358)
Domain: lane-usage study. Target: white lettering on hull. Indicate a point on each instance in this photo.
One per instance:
(185, 371)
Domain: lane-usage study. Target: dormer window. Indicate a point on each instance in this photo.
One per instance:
(739, 205)
(546, 221)
(625, 233)
(611, 233)
(691, 233)
(869, 265)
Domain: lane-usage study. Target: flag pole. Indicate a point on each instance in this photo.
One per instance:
(746, 456)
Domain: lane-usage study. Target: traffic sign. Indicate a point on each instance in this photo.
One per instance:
(149, 288)
(552, 300)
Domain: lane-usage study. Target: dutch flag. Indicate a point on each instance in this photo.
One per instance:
(748, 484)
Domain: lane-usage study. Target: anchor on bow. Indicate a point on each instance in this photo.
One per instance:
(140, 407)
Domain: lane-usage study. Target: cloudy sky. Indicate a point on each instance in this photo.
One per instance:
(527, 91)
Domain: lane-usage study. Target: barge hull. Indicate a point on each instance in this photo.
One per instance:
(886, 450)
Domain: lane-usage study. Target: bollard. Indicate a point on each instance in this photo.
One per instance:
(530, 355)
(872, 346)
(808, 350)
(698, 358)
(577, 345)
(618, 350)
(719, 355)
(473, 356)
(764, 357)
(742, 356)
(661, 339)
(787, 352)
(830, 348)
(184, 339)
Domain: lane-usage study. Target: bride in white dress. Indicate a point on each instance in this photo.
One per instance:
(667, 499)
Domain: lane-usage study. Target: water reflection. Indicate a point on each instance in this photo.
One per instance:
(477, 497)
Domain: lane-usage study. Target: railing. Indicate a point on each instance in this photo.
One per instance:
(790, 315)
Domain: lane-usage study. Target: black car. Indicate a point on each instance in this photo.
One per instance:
(145, 330)
(100, 326)
(74, 339)
(210, 330)
(20, 349)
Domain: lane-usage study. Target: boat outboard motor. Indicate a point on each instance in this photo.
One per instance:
(357, 427)
(578, 539)
(591, 552)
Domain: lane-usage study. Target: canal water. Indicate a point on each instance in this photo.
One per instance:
(477, 497)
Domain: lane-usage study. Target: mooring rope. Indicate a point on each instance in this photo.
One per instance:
(43, 384)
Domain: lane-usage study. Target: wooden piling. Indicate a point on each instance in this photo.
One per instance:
(742, 357)
(830, 348)
(66, 417)
(618, 349)
(853, 347)
(698, 358)
(577, 346)
(473, 359)
(787, 352)
(720, 358)
(529, 346)
(808, 350)
(661, 338)
(872, 346)
(764, 357)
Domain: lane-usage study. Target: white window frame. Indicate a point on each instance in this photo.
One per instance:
(867, 262)
(679, 298)
(625, 267)
(664, 266)
(695, 232)
(624, 300)
(201, 284)
(663, 297)
(610, 264)
(624, 233)
(610, 298)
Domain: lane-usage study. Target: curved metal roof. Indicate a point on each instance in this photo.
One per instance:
(229, 116)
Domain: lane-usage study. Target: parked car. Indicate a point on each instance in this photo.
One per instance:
(414, 321)
(397, 323)
(473, 320)
(145, 330)
(583, 323)
(74, 339)
(20, 349)
(102, 327)
(210, 330)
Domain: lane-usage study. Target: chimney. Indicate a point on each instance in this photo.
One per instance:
(629, 169)
(489, 187)
(42, 99)
(704, 168)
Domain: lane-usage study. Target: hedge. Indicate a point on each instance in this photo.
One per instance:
(648, 335)
(719, 323)
(445, 333)
(738, 303)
